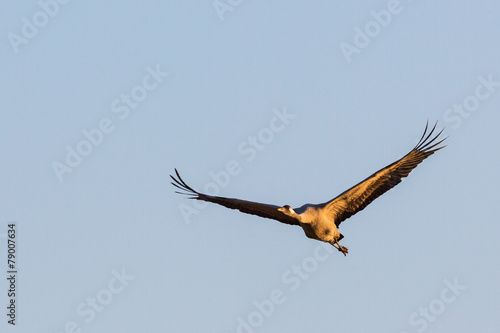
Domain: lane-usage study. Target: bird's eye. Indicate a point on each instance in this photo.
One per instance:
(287, 207)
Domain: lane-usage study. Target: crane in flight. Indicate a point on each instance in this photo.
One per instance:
(321, 221)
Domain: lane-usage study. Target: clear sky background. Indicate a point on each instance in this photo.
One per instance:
(89, 137)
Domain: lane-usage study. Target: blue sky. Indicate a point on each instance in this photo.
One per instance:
(289, 102)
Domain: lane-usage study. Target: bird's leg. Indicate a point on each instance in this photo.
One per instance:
(339, 247)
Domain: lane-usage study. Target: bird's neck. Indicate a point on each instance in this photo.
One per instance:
(299, 217)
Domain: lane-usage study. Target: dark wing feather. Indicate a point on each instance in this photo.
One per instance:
(249, 207)
(359, 196)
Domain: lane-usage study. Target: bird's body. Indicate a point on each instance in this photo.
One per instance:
(316, 222)
(321, 221)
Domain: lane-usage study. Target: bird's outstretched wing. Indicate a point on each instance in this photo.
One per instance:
(359, 196)
(249, 207)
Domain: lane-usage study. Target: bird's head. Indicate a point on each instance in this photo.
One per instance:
(286, 209)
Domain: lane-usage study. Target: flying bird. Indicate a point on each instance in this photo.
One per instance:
(321, 221)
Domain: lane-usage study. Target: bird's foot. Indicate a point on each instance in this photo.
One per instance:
(341, 248)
